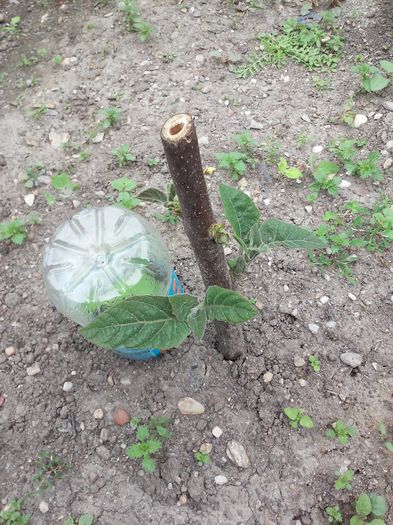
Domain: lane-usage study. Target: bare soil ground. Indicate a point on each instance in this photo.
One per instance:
(290, 479)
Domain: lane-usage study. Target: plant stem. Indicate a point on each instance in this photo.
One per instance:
(180, 142)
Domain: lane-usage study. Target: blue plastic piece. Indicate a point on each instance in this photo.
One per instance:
(140, 354)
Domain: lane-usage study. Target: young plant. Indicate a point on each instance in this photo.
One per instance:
(314, 363)
(133, 21)
(290, 173)
(49, 468)
(234, 162)
(321, 84)
(33, 173)
(123, 155)
(12, 513)
(297, 418)
(63, 184)
(384, 434)
(150, 438)
(201, 458)
(57, 59)
(84, 155)
(110, 117)
(325, 179)
(302, 139)
(372, 78)
(346, 151)
(255, 237)
(85, 519)
(167, 198)
(334, 514)
(247, 145)
(343, 481)
(125, 186)
(340, 431)
(165, 322)
(153, 162)
(27, 62)
(39, 112)
(271, 150)
(13, 231)
(369, 506)
(368, 168)
(13, 26)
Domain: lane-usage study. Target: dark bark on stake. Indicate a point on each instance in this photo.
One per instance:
(181, 148)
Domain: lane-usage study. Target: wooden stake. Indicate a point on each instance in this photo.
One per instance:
(180, 142)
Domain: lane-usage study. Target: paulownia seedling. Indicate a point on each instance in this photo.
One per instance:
(370, 510)
(340, 431)
(167, 198)
(297, 417)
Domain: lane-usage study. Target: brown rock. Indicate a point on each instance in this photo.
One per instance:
(121, 417)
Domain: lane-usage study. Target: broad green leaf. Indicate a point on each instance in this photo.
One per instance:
(226, 305)
(124, 184)
(137, 322)
(389, 446)
(330, 433)
(363, 505)
(377, 521)
(142, 433)
(69, 521)
(326, 168)
(182, 305)
(239, 210)
(379, 506)
(356, 520)
(135, 451)
(274, 232)
(237, 265)
(152, 195)
(148, 464)
(378, 82)
(291, 412)
(306, 422)
(386, 65)
(291, 173)
(197, 322)
(86, 519)
(163, 432)
(153, 445)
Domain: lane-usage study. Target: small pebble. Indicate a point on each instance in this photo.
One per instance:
(331, 325)
(68, 386)
(324, 299)
(317, 149)
(388, 163)
(220, 480)
(305, 117)
(190, 407)
(206, 448)
(389, 145)
(302, 382)
(183, 500)
(359, 120)
(286, 288)
(44, 507)
(267, 377)
(33, 370)
(255, 125)
(29, 199)
(352, 297)
(377, 116)
(121, 417)
(217, 432)
(10, 350)
(299, 361)
(308, 209)
(98, 414)
(345, 184)
(314, 328)
(351, 359)
(237, 454)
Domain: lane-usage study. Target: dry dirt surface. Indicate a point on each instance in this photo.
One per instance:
(185, 66)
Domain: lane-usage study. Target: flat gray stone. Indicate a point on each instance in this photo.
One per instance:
(351, 359)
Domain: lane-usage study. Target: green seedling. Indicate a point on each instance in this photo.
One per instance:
(373, 79)
(346, 150)
(110, 117)
(343, 481)
(27, 62)
(314, 363)
(247, 145)
(302, 139)
(150, 438)
(33, 173)
(321, 84)
(13, 231)
(125, 186)
(290, 173)
(271, 150)
(368, 168)
(384, 434)
(84, 155)
(234, 162)
(153, 162)
(57, 59)
(39, 112)
(297, 418)
(370, 509)
(12, 513)
(50, 198)
(42, 52)
(123, 155)
(63, 184)
(49, 468)
(165, 322)
(340, 431)
(255, 237)
(201, 458)
(347, 112)
(167, 198)
(334, 514)
(325, 179)
(13, 27)
(85, 519)
(133, 21)
(318, 47)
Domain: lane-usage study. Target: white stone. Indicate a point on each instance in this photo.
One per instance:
(286, 288)
(377, 116)
(57, 138)
(388, 105)
(267, 377)
(33, 370)
(99, 137)
(68, 386)
(190, 407)
(305, 117)
(44, 507)
(313, 327)
(351, 359)
(359, 120)
(220, 480)
(255, 125)
(69, 61)
(317, 149)
(302, 382)
(217, 432)
(324, 299)
(387, 164)
(206, 448)
(351, 296)
(29, 199)
(345, 184)
(204, 140)
(237, 454)
(298, 361)
(389, 145)
(10, 350)
(98, 414)
(331, 325)
(308, 209)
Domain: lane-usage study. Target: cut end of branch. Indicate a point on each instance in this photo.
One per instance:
(177, 128)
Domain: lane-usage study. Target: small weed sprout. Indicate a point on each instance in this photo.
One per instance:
(153, 162)
(12, 513)
(373, 79)
(290, 173)
(321, 84)
(384, 434)
(343, 481)
(234, 162)
(167, 198)
(314, 363)
(63, 184)
(125, 186)
(123, 155)
(325, 179)
(334, 514)
(85, 519)
(271, 150)
(247, 145)
(369, 507)
(150, 438)
(110, 117)
(26, 61)
(33, 173)
(84, 155)
(297, 417)
(13, 231)
(57, 59)
(201, 458)
(132, 20)
(340, 431)
(49, 468)
(39, 112)
(13, 26)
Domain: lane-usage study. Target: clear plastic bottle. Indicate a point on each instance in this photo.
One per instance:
(101, 254)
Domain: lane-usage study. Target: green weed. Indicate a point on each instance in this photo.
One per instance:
(123, 155)
(85, 519)
(373, 79)
(384, 434)
(271, 150)
(63, 184)
(125, 186)
(234, 162)
(167, 198)
(13, 26)
(133, 21)
(57, 59)
(26, 61)
(49, 468)
(314, 363)
(13, 231)
(84, 155)
(297, 417)
(150, 438)
(369, 506)
(343, 481)
(340, 431)
(110, 117)
(325, 179)
(247, 144)
(302, 139)
(33, 173)
(39, 112)
(290, 173)
(321, 84)
(201, 458)
(153, 162)
(12, 513)
(334, 514)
